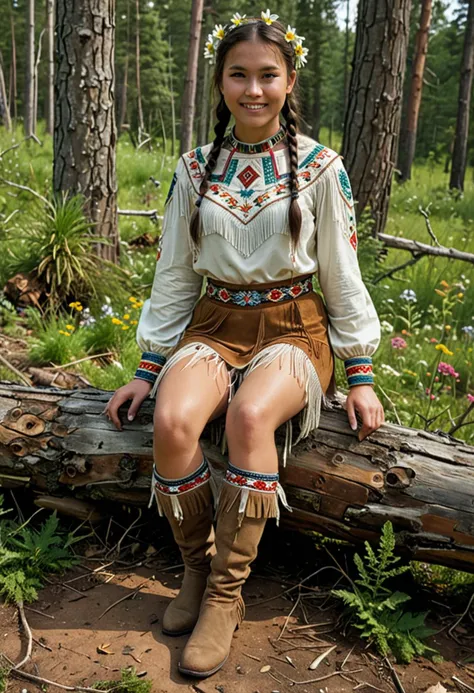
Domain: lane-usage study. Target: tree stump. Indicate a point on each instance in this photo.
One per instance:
(58, 443)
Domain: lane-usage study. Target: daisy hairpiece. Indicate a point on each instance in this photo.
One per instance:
(220, 31)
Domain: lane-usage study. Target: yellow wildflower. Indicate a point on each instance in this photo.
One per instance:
(116, 321)
(444, 284)
(133, 322)
(428, 374)
(132, 299)
(410, 373)
(138, 304)
(66, 334)
(126, 316)
(460, 294)
(76, 305)
(71, 328)
(126, 327)
(444, 349)
(440, 293)
(447, 327)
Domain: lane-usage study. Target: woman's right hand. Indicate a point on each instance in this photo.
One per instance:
(137, 390)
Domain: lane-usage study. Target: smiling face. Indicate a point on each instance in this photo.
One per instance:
(255, 82)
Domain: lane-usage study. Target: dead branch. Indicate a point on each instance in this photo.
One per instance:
(413, 246)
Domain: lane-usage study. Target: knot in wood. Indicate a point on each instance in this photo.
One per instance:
(399, 477)
(84, 34)
(337, 459)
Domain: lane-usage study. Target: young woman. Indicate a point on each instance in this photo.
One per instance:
(257, 212)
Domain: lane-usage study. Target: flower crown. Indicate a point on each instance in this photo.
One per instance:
(214, 39)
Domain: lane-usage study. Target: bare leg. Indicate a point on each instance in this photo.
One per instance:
(187, 398)
(268, 397)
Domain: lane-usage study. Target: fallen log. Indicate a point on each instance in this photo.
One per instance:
(59, 444)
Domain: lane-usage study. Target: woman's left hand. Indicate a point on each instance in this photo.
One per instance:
(363, 400)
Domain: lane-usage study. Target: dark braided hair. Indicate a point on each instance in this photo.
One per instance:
(273, 34)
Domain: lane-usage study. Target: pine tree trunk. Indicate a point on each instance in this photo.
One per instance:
(346, 55)
(316, 110)
(60, 444)
(372, 121)
(173, 111)
(84, 122)
(124, 92)
(458, 167)
(4, 107)
(141, 123)
(35, 79)
(203, 129)
(13, 90)
(189, 95)
(50, 82)
(29, 123)
(409, 127)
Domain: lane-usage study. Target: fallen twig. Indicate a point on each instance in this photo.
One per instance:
(338, 672)
(28, 633)
(41, 613)
(21, 375)
(466, 685)
(426, 214)
(450, 631)
(85, 358)
(396, 681)
(127, 596)
(116, 548)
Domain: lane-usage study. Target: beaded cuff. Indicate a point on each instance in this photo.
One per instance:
(254, 481)
(150, 366)
(359, 371)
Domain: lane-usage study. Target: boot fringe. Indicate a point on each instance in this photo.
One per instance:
(187, 504)
(254, 504)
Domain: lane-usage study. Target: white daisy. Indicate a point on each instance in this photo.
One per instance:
(300, 55)
(237, 19)
(268, 18)
(218, 32)
(290, 34)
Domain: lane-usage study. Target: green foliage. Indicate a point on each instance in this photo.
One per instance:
(377, 611)
(27, 555)
(129, 683)
(442, 580)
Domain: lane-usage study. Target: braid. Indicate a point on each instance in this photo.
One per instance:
(290, 114)
(223, 117)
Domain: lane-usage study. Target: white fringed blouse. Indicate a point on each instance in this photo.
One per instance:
(245, 239)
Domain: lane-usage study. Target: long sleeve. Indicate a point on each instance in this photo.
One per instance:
(176, 286)
(354, 327)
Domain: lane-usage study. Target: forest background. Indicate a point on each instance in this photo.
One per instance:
(87, 307)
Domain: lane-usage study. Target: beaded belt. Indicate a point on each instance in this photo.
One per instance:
(253, 297)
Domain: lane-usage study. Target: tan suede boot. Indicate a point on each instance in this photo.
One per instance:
(242, 514)
(190, 516)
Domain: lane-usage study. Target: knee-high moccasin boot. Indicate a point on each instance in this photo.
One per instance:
(246, 500)
(187, 504)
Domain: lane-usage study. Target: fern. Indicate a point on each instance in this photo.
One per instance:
(377, 611)
(27, 555)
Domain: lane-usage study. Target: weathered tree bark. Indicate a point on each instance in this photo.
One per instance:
(29, 124)
(173, 111)
(346, 55)
(203, 126)
(124, 92)
(4, 107)
(409, 127)
(458, 167)
(50, 82)
(84, 122)
(60, 445)
(189, 95)
(372, 122)
(35, 77)
(316, 110)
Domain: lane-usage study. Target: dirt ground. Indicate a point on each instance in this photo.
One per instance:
(77, 641)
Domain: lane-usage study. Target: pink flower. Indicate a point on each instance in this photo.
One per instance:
(399, 343)
(470, 398)
(447, 369)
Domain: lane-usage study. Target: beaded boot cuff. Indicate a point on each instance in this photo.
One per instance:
(174, 488)
(150, 366)
(259, 494)
(359, 371)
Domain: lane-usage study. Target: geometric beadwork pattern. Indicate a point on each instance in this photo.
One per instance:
(248, 176)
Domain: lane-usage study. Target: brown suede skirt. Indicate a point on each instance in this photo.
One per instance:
(244, 337)
(239, 333)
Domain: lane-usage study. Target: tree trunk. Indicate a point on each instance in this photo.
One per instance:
(372, 121)
(458, 167)
(408, 134)
(35, 79)
(189, 95)
(50, 82)
(59, 444)
(141, 124)
(346, 55)
(29, 124)
(124, 93)
(84, 122)
(13, 91)
(203, 129)
(316, 110)
(4, 107)
(173, 113)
